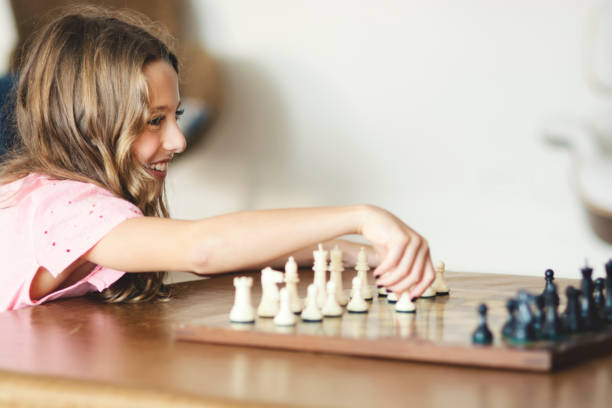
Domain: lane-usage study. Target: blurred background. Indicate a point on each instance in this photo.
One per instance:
(440, 111)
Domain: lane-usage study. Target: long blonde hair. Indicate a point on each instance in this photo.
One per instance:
(81, 101)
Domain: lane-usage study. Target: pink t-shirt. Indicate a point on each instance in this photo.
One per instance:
(51, 223)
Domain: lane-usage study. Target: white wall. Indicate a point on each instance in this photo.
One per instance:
(430, 109)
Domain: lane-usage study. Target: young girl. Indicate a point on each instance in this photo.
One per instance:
(82, 205)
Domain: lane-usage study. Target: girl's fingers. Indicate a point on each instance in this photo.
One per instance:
(428, 278)
(415, 273)
(405, 265)
(389, 260)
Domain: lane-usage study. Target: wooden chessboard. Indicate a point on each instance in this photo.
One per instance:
(439, 332)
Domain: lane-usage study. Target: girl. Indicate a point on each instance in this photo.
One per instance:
(82, 203)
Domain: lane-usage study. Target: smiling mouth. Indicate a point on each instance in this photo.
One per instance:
(157, 169)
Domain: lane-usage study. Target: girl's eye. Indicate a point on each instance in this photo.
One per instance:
(156, 121)
(179, 112)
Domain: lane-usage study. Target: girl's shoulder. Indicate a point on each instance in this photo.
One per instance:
(44, 191)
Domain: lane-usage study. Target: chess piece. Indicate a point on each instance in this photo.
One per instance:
(382, 292)
(551, 327)
(599, 299)
(607, 312)
(311, 312)
(335, 271)
(549, 277)
(320, 274)
(590, 319)
(291, 281)
(538, 312)
(572, 322)
(391, 297)
(285, 316)
(357, 304)
(508, 329)
(482, 334)
(405, 304)
(268, 306)
(331, 307)
(242, 311)
(439, 283)
(362, 267)
(523, 329)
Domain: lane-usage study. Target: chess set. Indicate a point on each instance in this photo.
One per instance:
(458, 325)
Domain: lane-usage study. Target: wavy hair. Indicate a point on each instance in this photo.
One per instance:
(81, 101)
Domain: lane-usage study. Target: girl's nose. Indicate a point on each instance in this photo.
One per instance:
(174, 140)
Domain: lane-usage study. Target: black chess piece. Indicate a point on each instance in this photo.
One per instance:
(590, 319)
(551, 328)
(607, 312)
(508, 328)
(538, 311)
(482, 334)
(549, 276)
(572, 322)
(523, 330)
(599, 299)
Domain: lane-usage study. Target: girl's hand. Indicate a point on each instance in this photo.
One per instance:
(405, 260)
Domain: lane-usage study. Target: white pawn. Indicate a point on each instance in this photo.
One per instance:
(405, 304)
(285, 316)
(357, 303)
(331, 307)
(291, 280)
(392, 297)
(439, 284)
(268, 306)
(362, 267)
(382, 292)
(311, 312)
(320, 274)
(336, 268)
(242, 311)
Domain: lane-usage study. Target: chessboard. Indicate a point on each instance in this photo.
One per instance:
(440, 331)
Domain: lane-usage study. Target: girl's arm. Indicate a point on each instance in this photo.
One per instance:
(249, 239)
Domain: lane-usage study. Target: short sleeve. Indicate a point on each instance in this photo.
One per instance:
(71, 218)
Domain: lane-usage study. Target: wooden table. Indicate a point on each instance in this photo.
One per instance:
(85, 353)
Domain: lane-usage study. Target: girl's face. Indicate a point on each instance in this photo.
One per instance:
(156, 145)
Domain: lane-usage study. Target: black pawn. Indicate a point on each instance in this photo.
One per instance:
(482, 334)
(551, 328)
(508, 328)
(590, 320)
(572, 321)
(549, 276)
(607, 312)
(524, 329)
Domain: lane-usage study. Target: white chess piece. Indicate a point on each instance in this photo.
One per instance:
(291, 280)
(439, 284)
(405, 304)
(320, 274)
(268, 306)
(357, 303)
(242, 311)
(311, 312)
(331, 307)
(362, 269)
(285, 316)
(391, 297)
(336, 268)
(382, 292)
